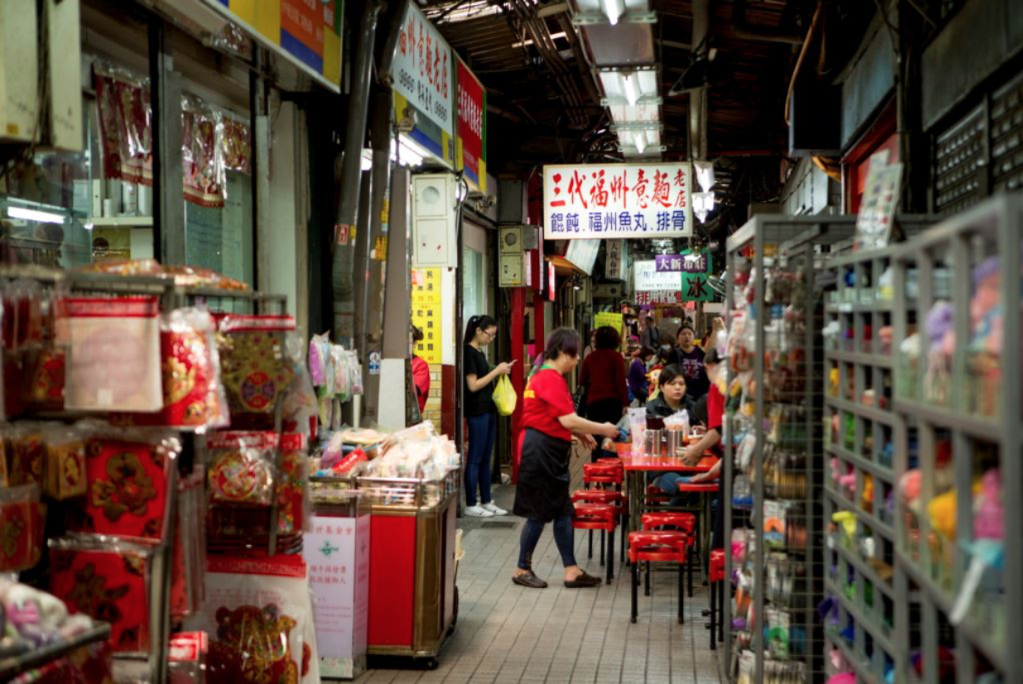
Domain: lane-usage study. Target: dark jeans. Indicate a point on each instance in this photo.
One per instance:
(603, 411)
(564, 537)
(482, 431)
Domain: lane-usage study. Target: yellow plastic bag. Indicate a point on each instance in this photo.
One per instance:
(505, 397)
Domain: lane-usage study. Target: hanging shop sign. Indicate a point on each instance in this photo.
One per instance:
(694, 281)
(648, 279)
(681, 263)
(424, 85)
(613, 261)
(600, 201)
(426, 313)
(306, 32)
(471, 146)
(659, 298)
(607, 319)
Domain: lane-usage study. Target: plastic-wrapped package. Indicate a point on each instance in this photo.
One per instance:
(21, 528)
(293, 507)
(124, 116)
(187, 657)
(241, 468)
(202, 159)
(22, 333)
(113, 353)
(300, 405)
(258, 614)
(189, 554)
(107, 579)
(127, 472)
(26, 453)
(65, 473)
(254, 368)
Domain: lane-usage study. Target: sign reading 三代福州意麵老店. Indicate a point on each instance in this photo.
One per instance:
(471, 146)
(308, 32)
(614, 201)
(424, 79)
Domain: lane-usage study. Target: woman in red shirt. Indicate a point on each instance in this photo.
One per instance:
(603, 376)
(549, 421)
(420, 372)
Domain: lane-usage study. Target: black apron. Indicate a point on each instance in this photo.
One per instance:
(542, 490)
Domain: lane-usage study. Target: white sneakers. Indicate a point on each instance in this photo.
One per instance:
(487, 510)
(494, 510)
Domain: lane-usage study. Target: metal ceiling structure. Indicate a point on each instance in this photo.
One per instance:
(694, 79)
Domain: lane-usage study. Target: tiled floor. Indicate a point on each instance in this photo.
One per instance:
(507, 634)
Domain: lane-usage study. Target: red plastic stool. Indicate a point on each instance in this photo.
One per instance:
(599, 517)
(684, 522)
(658, 547)
(608, 497)
(603, 473)
(717, 597)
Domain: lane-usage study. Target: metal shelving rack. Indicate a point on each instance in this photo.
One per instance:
(154, 667)
(960, 401)
(790, 335)
(861, 573)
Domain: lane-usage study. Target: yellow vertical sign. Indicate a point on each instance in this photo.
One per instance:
(426, 306)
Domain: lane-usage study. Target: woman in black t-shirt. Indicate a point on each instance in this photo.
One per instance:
(480, 415)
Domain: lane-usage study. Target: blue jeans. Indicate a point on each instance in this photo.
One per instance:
(564, 537)
(668, 483)
(482, 432)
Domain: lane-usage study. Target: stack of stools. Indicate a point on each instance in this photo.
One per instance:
(607, 474)
(682, 522)
(658, 547)
(603, 517)
(717, 597)
(606, 497)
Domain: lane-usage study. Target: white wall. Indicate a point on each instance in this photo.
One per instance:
(283, 212)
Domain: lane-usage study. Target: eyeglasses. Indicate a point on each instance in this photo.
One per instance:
(490, 335)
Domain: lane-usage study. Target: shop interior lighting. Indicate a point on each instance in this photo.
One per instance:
(34, 215)
(639, 138)
(630, 86)
(614, 9)
(367, 159)
(703, 204)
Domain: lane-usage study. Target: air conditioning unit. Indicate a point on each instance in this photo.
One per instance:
(434, 232)
(65, 74)
(609, 291)
(19, 71)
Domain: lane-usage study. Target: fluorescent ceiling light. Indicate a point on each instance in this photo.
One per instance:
(34, 215)
(367, 160)
(631, 88)
(529, 41)
(639, 137)
(614, 9)
(704, 174)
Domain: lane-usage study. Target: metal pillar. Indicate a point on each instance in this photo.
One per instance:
(360, 269)
(376, 267)
(358, 103)
(397, 300)
(168, 196)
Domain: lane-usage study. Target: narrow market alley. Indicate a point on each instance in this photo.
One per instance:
(507, 633)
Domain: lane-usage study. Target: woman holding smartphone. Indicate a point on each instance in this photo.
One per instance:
(480, 415)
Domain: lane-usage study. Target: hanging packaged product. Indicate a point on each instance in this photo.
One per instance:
(22, 522)
(193, 396)
(107, 579)
(23, 334)
(253, 366)
(258, 613)
(65, 474)
(241, 468)
(187, 657)
(26, 453)
(113, 353)
(293, 506)
(188, 559)
(128, 478)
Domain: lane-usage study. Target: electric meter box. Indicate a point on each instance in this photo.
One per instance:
(19, 71)
(434, 232)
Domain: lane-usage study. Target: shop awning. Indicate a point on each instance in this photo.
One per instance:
(564, 267)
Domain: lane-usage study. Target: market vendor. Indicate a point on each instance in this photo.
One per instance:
(715, 411)
(542, 496)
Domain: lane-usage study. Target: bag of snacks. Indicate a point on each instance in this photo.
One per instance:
(254, 367)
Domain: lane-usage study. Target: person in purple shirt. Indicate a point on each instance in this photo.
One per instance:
(637, 374)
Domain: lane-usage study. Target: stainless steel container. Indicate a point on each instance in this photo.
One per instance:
(652, 442)
(674, 440)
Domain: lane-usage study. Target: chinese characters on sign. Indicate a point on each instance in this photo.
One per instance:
(659, 297)
(649, 279)
(472, 112)
(681, 263)
(426, 307)
(609, 319)
(613, 262)
(600, 201)
(694, 279)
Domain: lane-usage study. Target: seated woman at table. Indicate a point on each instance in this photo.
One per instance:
(672, 397)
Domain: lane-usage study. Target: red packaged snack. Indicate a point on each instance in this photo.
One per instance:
(107, 581)
(255, 371)
(21, 528)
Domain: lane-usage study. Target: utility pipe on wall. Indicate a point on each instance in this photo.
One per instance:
(348, 206)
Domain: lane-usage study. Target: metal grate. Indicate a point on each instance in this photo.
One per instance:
(959, 163)
(1007, 136)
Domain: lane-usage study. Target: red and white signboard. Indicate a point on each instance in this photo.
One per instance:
(422, 70)
(613, 201)
(659, 297)
(470, 125)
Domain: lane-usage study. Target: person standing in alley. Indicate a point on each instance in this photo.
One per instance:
(549, 422)
(649, 336)
(689, 358)
(603, 376)
(637, 374)
(480, 415)
(420, 372)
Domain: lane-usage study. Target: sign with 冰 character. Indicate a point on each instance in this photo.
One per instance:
(471, 144)
(426, 313)
(424, 80)
(616, 201)
(694, 280)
